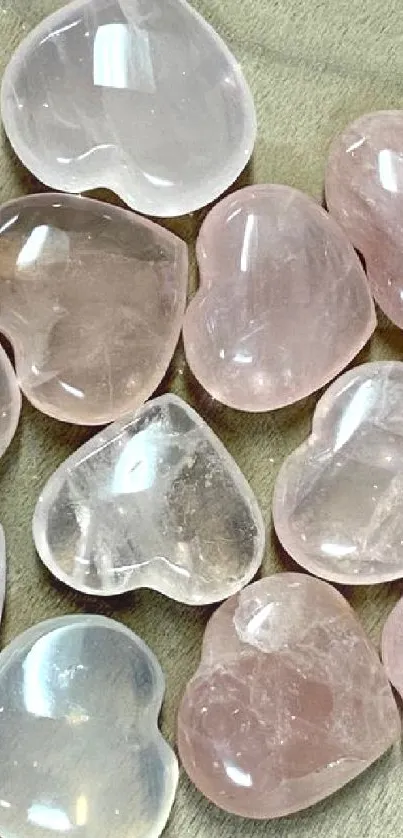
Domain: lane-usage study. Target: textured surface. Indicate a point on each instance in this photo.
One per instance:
(90, 690)
(313, 67)
(283, 304)
(290, 700)
(141, 97)
(337, 505)
(153, 502)
(92, 299)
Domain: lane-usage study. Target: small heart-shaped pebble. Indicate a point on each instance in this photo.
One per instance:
(140, 96)
(92, 298)
(290, 701)
(81, 752)
(283, 304)
(338, 499)
(154, 501)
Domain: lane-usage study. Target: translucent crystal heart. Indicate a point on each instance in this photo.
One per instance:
(140, 96)
(81, 751)
(364, 192)
(392, 647)
(10, 396)
(155, 501)
(283, 303)
(290, 701)
(338, 499)
(92, 298)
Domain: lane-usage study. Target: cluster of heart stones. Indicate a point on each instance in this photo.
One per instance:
(290, 701)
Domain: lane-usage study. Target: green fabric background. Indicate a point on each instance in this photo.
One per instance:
(313, 65)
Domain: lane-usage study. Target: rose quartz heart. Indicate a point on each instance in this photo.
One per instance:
(364, 192)
(10, 400)
(283, 303)
(92, 298)
(289, 703)
(392, 647)
(338, 499)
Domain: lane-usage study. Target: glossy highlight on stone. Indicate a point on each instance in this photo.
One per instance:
(154, 501)
(338, 501)
(290, 701)
(364, 193)
(81, 750)
(392, 647)
(140, 96)
(283, 304)
(92, 299)
(10, 397)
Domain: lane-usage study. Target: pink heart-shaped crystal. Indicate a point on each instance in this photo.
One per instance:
(289, 703)
(283, 303)
(364, 192)
(92, 298)
(392, 647)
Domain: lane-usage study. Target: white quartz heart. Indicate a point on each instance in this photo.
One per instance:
(140, 96)
(81, 751)
(153, 501)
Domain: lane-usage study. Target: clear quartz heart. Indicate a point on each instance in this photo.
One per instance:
(92, 298)
(140, 96)
(81, 751)
(154, 501)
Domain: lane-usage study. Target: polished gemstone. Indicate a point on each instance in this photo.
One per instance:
(289, 703)
(338, 499)
(392, 647)
(154, 501)
(140, 96)
(92, 298)
(283, 304)
(364, 192)
(81, 752)
(10, 396)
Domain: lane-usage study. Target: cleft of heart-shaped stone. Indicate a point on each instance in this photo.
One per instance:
(81, 751)
(92, 298)
(283, 304)
(152, 501)
(140, 96)
(10, 397)
(290, 701)
(338, 498)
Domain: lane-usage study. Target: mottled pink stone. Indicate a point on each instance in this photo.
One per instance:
(392, 647)
(289, 703)
(283, 304)
(364, 192)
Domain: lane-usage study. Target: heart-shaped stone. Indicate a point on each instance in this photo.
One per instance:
(92, 298)
(154, 501)
(81, 750)
(364, 193)
(338, 499)
(283, 303)
(290, 701)
(141, 96)
(392, 647)
(10, 396)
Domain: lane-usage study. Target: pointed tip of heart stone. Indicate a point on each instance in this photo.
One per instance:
(290, 701)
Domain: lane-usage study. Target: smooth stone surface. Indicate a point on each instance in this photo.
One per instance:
(10, 396)
(140, 96)
(290, 701)
(364, 192)
(92, 298)
(81, 752)
(338, 498)
(392, 647)
(154, 501)
(283, 304)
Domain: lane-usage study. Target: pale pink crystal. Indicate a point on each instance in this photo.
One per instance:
(290, 701)
(283, 303)
(10, 399)
(337, 505)
(392, 647)
(364, 192)
(92, 298)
